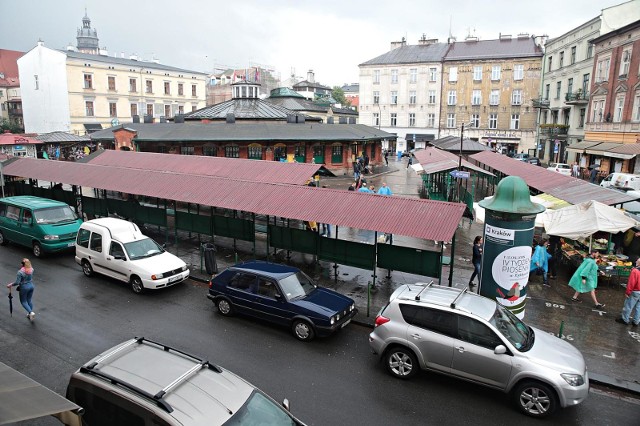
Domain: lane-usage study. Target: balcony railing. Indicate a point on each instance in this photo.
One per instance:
(576, 97)
(540, 103)
(554, 129)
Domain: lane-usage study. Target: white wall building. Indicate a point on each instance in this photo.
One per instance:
(400, 92)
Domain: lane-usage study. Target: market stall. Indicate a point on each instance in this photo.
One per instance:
(590, 226)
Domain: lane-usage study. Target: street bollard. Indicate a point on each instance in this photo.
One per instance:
(561, 329)
(368, 297)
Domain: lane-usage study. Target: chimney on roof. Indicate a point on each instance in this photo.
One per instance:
(396, 44)
(40, 42)
(311, 77)
(231, 118)
(504, 36)
(523, 35)
(471, 38)
(424, 41)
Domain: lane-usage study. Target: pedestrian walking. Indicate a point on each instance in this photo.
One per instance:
(631, 308)
(585, 279)
(554, 250)
(386, 156)
(24, 281)
(410, 161)
(476, 259)
(593, 175)
(540, 261)
(575, 170)
(372, 188)
(364, 188)
(384, 189)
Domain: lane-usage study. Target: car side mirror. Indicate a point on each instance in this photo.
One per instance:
(500, 349)
(285, 404)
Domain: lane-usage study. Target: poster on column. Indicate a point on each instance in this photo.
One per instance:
(507, 255)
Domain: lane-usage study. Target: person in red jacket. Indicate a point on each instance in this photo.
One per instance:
(632, 298)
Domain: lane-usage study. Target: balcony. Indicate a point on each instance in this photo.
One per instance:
(540, 103)
(576, 98)
(554, 129)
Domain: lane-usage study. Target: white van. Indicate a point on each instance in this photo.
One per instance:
(622, 180)
(117, 248)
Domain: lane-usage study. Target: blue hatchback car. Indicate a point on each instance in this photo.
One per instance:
(283, 295)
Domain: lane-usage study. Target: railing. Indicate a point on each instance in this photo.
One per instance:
(577, 97)
(540, 103)
(553, 129)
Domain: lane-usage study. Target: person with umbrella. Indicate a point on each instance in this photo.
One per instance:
(593, 174)
(24, 279)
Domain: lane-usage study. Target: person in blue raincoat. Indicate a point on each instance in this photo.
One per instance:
(540, 260)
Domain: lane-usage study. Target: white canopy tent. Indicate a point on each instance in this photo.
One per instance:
(585, 219)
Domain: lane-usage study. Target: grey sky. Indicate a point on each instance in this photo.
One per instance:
(331, 37)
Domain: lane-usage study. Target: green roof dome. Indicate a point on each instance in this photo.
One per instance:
(512, 196)
(284, 92)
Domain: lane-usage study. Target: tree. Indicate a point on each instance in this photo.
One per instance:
(338, 94)
(10, 125)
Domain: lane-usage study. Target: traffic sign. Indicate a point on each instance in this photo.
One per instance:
(458, 174)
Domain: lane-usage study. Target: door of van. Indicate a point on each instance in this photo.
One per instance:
(9, 221)
(97, 252)
(116, 262)
(25, 228)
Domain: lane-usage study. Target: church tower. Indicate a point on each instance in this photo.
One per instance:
(87, 37)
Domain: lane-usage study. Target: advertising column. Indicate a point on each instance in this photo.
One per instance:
(508, 234)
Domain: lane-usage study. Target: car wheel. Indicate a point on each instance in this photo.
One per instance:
(37, 249)
(86, 268)
(535, 399)
(136, 285)
(224, 307)
(3, 242)
(401, 362)
(302, 330)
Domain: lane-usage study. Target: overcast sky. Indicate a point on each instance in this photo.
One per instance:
(331, 37)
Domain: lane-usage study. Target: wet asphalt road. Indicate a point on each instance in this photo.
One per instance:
(332, 381)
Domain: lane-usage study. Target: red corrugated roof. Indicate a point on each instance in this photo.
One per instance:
(12, 139)
(570, 189)
(232, 168)
(435, 160)
(426, 219)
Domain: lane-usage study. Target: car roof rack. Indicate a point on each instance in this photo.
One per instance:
(417, 298)
(158, 398)
(463, 291)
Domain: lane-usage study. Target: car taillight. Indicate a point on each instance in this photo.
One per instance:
(210, 283)
(381, 320)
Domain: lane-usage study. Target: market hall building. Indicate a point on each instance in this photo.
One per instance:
(251, 128)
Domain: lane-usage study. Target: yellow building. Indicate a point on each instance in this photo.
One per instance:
(487, 87)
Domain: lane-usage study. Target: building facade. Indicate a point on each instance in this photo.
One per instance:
(10, 97)
(80, 92)
(400, 92)
(613, 121)
(488, 86)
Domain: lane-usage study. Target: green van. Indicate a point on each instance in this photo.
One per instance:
(44, 225)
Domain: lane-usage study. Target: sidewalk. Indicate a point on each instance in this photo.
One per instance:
(610, 349)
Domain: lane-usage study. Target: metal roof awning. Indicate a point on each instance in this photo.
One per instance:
(92, 127)
(625, 150)
(426, 219)
(581, 146)
(234, 168)
(434, 160)
(22, 398)
(570, 189)
(601, 148)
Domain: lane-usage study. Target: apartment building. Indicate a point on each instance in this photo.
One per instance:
(81, 92)
(488, 86)
(10, 98)
(612, 133)
(400, 92)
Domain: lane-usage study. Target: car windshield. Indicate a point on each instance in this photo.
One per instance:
(297, 285)
(260, 410)
(516, 332)
(55, 215)
(142, 248)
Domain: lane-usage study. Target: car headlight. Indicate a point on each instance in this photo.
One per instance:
(157, 276)
(351, 308)
(573, 379)
(338, 317)
(184, 268)
(51, 237)
(333, 320)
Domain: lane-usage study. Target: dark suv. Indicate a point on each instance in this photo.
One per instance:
(283, 295)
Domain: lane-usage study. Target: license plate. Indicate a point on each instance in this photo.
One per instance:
(71, 244)
(174, 279)
(345, 323)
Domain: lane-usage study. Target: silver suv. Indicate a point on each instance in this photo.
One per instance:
(471, 337)
(141, 382)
